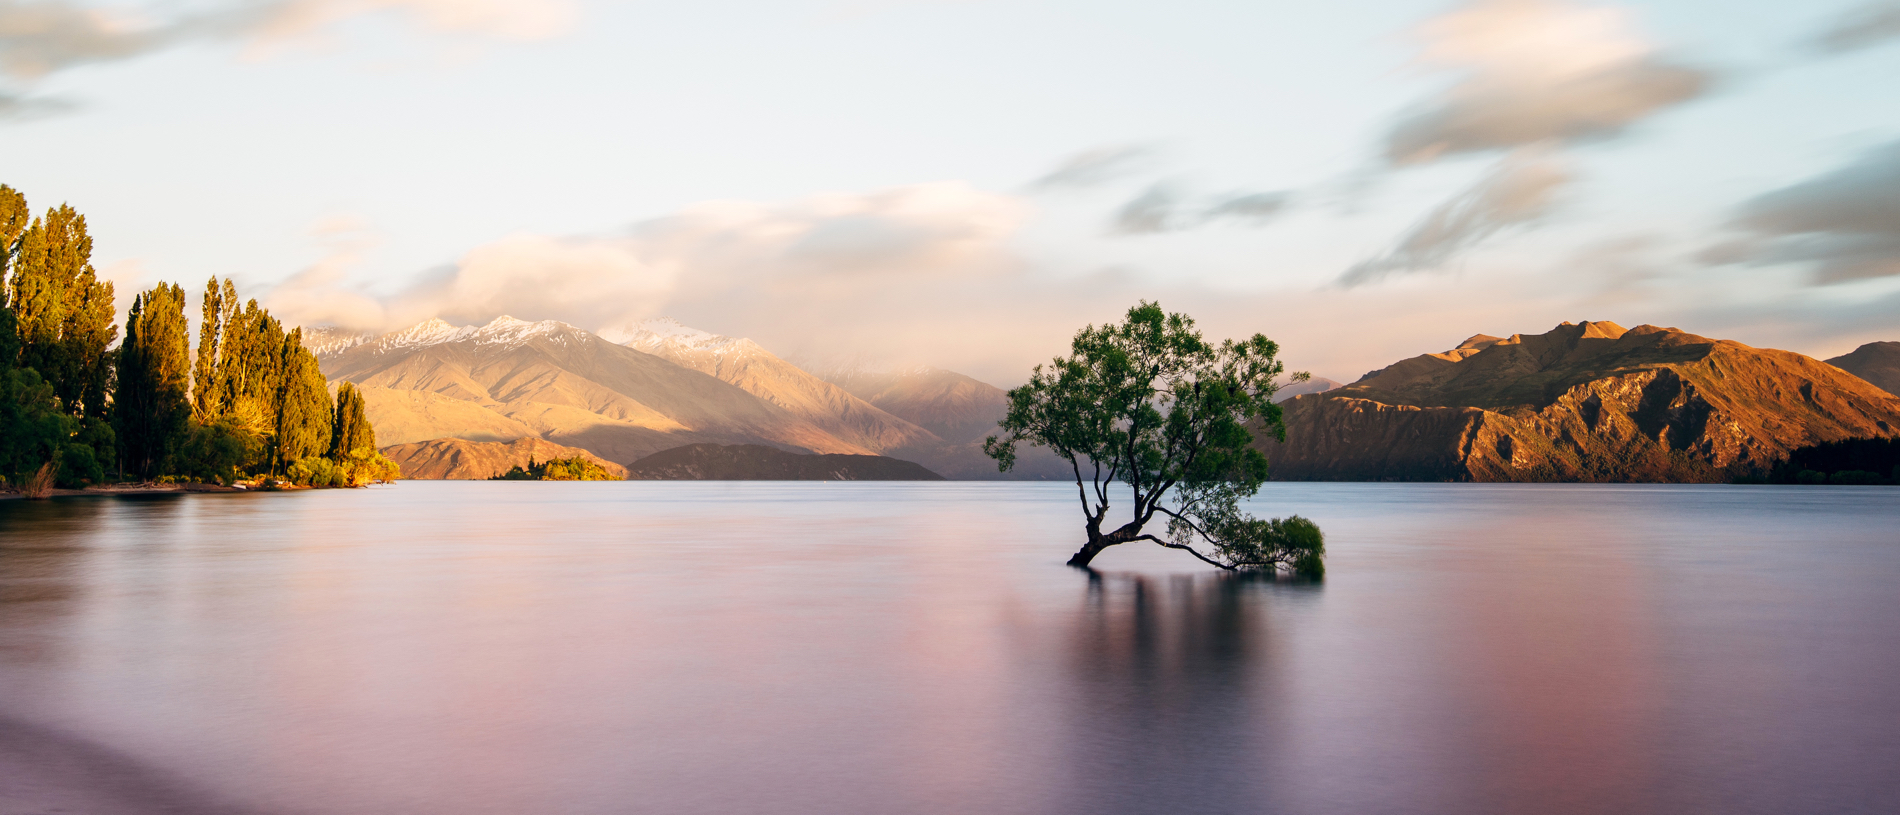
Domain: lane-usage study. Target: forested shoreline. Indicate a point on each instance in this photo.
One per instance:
(250, 406)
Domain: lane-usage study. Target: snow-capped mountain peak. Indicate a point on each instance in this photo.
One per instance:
(666, 333)
(506, 330)
(503, 330)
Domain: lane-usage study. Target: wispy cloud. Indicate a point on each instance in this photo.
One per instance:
(1530, 78)
(1096, 167)
(1844, 224)
(42, 37)
(1864, 26)
(1165, 208)
(1531, 71)
(1520, 190)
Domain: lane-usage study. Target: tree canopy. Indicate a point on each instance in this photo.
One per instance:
(151, 410)
(71, 405)
(576, 468)
(1148, 406)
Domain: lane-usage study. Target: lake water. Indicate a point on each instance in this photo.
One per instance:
(645, 647)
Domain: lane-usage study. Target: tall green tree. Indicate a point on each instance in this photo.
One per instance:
(151, 410)
(250, 369)
(14, 217)
(351, 431)
(38, 408)
(64, 312)
(303, 411)
(1149, 409)
(206, 401)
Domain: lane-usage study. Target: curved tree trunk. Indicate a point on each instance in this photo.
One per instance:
(1098, 542)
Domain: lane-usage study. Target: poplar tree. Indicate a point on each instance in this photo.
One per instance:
(303, 409)
(150, 408)
(206, 402)
(250, 369)
(55, 325)
(351, 431)
(64, 312)
(31, 426)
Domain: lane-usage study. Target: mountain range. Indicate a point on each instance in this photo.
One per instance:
(1589, 401)
(637, 389)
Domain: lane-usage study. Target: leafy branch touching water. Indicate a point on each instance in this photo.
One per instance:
(1149, 407)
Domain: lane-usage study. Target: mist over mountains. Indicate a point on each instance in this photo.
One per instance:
(637, 389)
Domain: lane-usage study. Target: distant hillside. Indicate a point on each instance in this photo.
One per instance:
(655, 385)
(462, 460)
(1876, 362)
(556, 382)
(753, 462)
(954, 407)
(742, 363)
(1588, 402)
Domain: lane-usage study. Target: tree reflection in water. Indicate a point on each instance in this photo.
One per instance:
(1176, 686)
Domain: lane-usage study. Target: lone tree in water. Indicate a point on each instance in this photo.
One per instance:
(1150, 407)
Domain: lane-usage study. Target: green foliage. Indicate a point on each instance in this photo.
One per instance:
(213, 453)
(206, 399)
(1149, 405)
(577, 468)
(253, 398)
(314, 471)
(303, 405)
(151, 411)
(78, 467)
(32, 428)
(351, 429)
(255, 380)
(64, 312)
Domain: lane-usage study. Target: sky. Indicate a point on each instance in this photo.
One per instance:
(964, 183)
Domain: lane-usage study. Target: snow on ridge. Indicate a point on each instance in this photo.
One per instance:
(324, 340)
(503, 330)
(506, 330)
(432, 331)
(667, 334)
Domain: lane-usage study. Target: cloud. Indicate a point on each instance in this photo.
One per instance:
(1863, 27)
(38, 38)
(1150, 212)
(17, 107)
(794, 260)
(1093, 168)
(1532, 71)
(1163, 208)
(1520, 190)
(1844, 224)
(1255, 207)
(42, 37)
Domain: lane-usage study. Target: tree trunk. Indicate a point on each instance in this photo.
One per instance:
(1098, 542)
(1089, 550)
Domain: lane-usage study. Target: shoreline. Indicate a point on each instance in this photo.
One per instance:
(141, 489)
(43, 769)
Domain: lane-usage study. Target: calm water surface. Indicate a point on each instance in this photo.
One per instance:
(642, 647)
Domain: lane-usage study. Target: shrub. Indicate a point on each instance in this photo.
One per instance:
(1858, 477)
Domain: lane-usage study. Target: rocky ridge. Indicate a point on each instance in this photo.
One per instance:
(1582, 402)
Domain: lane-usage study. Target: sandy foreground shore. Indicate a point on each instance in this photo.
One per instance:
(46, 772)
